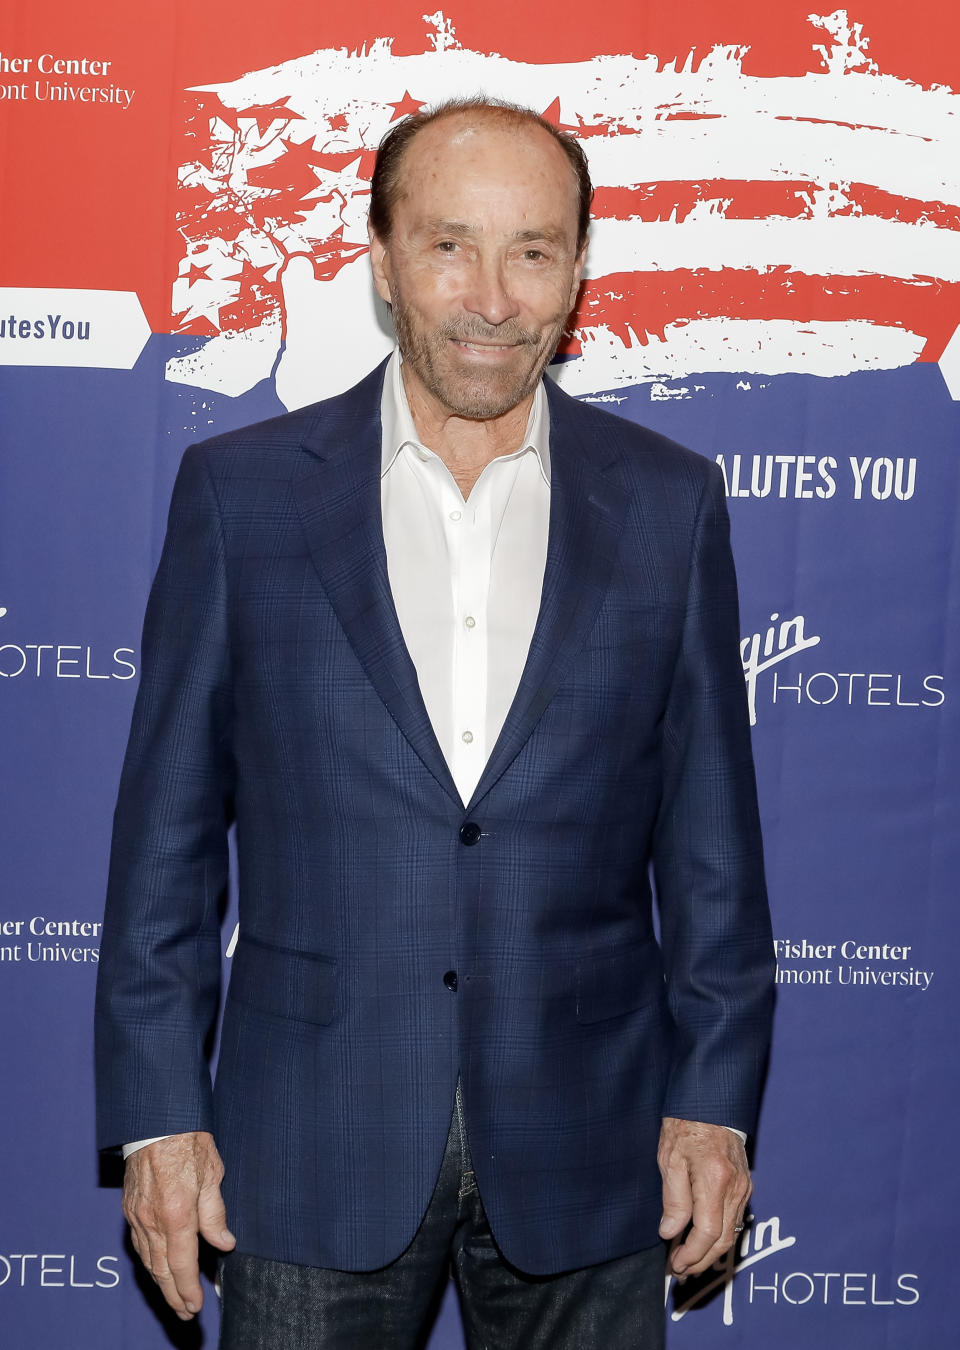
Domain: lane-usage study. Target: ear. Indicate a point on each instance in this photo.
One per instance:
(578, 266)
(380, 265)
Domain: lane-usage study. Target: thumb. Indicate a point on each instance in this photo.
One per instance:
(677, 1203)
(212, 1220)
(673, 1222)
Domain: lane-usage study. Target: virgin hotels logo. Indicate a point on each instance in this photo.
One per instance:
(761, 651)
(763, 655)
(61, 660)
(750, 1274)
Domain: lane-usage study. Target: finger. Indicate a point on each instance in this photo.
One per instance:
(212, 1220)
(716, 1215)
(734, 1215)
(168, 1288)
(140, 1238)
(693, 1255)
(677, 1201)
(155, 1260)
(734, 1208)
(183, 1265)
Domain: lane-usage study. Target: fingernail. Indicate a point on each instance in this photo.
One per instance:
(190, 1307)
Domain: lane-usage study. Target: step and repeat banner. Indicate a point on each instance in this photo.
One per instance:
(773, 280)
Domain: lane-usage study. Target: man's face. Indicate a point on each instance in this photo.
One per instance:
(481, 266)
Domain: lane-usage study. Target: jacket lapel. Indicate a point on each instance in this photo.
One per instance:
(587, 510)
(338, 501)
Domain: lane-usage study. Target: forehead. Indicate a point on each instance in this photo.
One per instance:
(485, 162)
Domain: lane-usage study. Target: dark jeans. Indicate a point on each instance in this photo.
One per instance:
(619, 1305)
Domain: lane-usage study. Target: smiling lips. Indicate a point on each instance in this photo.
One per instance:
(485, 348)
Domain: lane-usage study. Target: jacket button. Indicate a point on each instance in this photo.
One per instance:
(450, 980)
(470, 833)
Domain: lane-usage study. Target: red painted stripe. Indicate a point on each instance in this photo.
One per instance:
(647, 302)
(747, 199)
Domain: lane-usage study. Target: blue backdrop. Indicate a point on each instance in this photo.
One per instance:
(843, 475)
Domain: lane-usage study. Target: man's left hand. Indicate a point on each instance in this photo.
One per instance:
(705, 1179)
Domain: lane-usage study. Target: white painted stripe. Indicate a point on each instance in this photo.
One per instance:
(842, 245)
(902, 137)
(230, 363)
(742, 346)
(755, 148)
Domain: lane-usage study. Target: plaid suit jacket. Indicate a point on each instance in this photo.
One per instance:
(276, 690)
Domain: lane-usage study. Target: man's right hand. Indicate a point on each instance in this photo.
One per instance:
(171, 1193)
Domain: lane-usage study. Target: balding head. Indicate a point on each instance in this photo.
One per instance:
(481, 259)
(387, 184)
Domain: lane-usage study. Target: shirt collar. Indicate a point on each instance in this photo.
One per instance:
(398, 429)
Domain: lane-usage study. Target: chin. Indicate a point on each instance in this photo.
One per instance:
(490, 395)
(484, 401)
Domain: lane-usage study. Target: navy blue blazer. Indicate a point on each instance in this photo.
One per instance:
(276, 689)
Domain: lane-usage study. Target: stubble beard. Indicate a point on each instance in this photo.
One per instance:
(488, 393)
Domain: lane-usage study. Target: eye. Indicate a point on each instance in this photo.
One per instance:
(534, 255)
(447, 246)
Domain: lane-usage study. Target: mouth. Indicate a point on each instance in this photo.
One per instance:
(476, 348)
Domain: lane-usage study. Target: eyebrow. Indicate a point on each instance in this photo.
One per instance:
(459, 227)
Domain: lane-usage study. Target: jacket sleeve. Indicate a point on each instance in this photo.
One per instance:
(707, 852)
(159, 974)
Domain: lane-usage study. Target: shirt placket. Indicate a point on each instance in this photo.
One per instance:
(467, 528)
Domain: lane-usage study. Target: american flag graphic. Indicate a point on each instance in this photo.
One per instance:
(751, 223)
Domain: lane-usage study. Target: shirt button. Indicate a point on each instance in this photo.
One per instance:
(470, 833)
(455, 515)
(450, 980)
(467, 737)
(470, 621)
(422, 454)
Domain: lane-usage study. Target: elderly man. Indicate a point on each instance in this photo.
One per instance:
(460, 656)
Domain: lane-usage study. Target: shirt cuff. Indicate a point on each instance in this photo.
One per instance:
(142, 1143)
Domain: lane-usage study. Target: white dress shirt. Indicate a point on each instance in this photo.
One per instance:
(466, 577)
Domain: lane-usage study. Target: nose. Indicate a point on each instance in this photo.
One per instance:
(488, 294)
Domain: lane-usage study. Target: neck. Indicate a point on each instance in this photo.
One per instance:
(466, 445)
